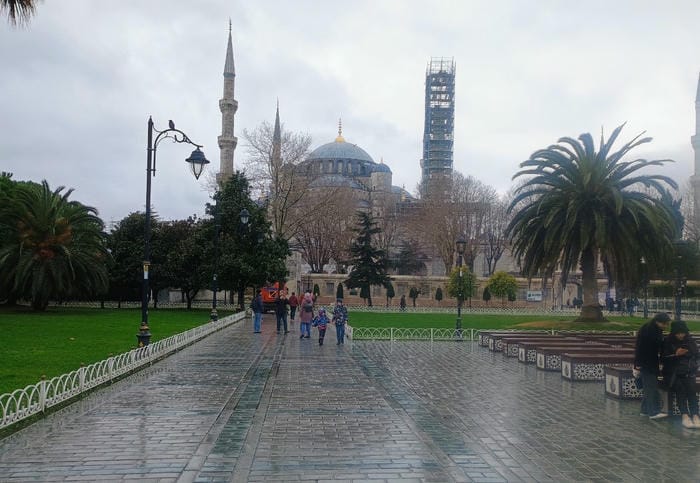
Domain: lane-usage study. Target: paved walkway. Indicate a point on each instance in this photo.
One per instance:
(245, 407)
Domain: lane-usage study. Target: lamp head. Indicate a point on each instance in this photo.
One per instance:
(245, 216)
(461, 245)
(197, 161)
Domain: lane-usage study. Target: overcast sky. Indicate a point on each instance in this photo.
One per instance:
(78, 84)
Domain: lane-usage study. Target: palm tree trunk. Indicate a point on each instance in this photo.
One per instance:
(590, 311)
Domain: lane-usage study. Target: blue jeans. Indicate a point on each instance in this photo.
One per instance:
(257, 320)
(305, 328)
(340, 332)
(651, 402)
(282, 319)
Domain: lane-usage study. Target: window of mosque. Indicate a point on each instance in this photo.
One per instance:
(330, 288)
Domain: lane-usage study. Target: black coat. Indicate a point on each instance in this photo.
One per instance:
(685, 365)
(648, 347)
(281, 306)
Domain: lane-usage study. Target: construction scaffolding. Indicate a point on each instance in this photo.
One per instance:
(438, 134)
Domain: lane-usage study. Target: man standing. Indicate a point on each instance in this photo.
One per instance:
(257, 307)
(293, 304)
(646, 363)
(281, 304)
(340, 318)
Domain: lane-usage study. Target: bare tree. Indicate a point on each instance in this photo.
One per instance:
(324, 219)
(459, 209)
(277, 173)
(495, 224)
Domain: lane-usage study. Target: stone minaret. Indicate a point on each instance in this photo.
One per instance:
(695, 140)
(277, 138)
(228, 106)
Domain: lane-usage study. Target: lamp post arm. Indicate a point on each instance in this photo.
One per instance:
(171, 133)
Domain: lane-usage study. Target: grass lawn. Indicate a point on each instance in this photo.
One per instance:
(57, 341)
(492, 321)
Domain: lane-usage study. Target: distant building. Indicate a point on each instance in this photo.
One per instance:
(438, 131)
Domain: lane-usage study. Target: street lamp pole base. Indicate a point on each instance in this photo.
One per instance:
(214, 315)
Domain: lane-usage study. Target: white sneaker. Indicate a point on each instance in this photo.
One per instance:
(696, 421)
(687, 422)
(659, 416)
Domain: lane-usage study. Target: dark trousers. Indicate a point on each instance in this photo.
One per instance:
(292, 311)
(651, 402)
(321, 335)
(686, 395)
(282, 318)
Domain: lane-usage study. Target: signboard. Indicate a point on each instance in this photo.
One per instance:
(534, 295)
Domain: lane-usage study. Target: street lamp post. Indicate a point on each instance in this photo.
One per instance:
(197, 160)
(678, 246)
(244, 215)
(645, 282)
(461, 245)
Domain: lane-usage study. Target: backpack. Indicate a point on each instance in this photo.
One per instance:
(308, 307)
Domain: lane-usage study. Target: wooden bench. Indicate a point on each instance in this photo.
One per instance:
(527, 351)
(591, 366)
(496, 340)
(511, 347)
(619, 383)
(550, 358)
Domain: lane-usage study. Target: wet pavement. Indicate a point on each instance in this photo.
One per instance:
(239, 406)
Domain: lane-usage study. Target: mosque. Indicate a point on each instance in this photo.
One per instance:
(340, 163)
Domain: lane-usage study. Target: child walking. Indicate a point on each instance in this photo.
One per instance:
(321, 321)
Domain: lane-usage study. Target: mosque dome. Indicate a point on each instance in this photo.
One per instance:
(339, 149)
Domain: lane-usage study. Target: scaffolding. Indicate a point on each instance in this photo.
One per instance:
(438, 133)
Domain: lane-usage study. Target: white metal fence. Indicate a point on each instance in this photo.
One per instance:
(432, 334)
(36, 398)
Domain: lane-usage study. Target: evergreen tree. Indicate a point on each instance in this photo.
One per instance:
(502, 284)
(339, 291)
(413, 294)
(390, 293)
(486, 296)
(369, 263)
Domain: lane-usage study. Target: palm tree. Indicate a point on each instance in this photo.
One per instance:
(18, 11)
(578, 207)
(55, 249)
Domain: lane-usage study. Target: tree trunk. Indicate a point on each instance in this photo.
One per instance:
(590, 311)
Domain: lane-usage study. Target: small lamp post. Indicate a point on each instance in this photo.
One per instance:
(645, 284)
(244, 216)
(197, 161)
(461, 245)
(678, 246)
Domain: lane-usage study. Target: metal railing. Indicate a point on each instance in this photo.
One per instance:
(433, 334)
(36, 398)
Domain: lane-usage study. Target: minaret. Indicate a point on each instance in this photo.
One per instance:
(695, 141)
(228, 106)
(277, 139)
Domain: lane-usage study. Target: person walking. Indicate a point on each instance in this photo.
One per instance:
(293, 304)
(402, 303)
(321, 322)
(281, 304)
(257, 306)
(306, 315)
(680, 359)
(340, 318)
(647, 350)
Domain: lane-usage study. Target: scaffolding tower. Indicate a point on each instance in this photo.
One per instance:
(438, 133)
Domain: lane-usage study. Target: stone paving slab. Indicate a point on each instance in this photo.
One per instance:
(239, 406)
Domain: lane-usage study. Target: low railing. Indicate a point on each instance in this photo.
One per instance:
(432, 334)
(36, 398)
